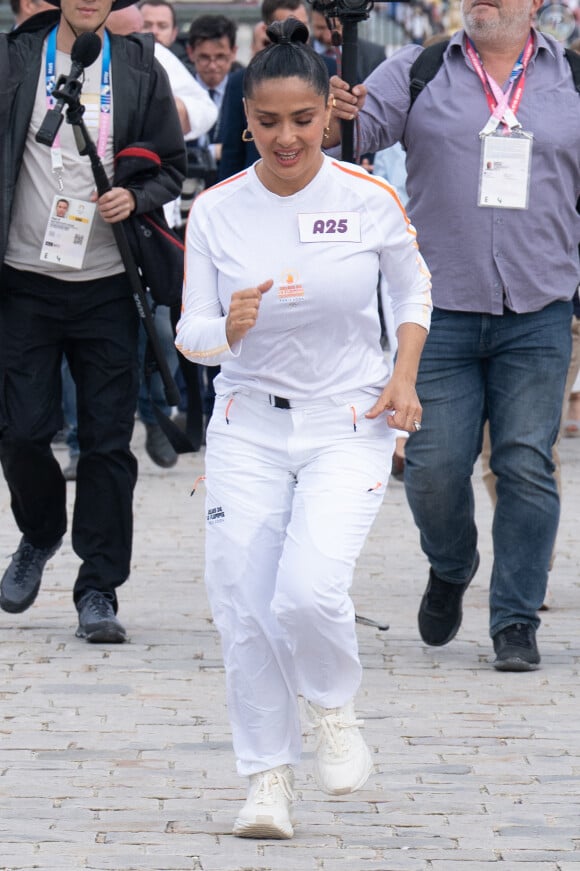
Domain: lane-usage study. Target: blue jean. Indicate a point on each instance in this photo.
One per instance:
(69, 410)
(510, 369)
(167, 345)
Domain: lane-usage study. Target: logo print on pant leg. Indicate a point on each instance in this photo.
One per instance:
(215, 515)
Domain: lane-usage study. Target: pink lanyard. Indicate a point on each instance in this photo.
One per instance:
(105, 100)
(502, 111)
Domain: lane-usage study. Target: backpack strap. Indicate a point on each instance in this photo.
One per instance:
(426, 66)
(573, 59)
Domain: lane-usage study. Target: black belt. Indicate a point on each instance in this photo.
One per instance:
(279, 401)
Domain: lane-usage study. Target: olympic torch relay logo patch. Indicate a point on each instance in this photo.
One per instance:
(290, 290)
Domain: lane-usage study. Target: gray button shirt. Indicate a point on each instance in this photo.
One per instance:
(481, 258)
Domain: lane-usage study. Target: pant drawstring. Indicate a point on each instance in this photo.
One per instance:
(196, 482)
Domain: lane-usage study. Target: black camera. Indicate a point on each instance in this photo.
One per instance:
(344, 10)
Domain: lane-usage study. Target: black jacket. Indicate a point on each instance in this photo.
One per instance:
(143, 111)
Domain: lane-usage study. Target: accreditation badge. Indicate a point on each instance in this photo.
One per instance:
(67, 231)
(505, 170)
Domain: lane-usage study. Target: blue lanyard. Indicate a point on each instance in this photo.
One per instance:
(105, 95)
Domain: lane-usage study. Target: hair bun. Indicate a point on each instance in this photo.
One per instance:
(287, 32)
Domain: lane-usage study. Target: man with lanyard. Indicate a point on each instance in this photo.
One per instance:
(493, 178)
(65, 292)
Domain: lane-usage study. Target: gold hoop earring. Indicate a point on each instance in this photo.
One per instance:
(247, 136)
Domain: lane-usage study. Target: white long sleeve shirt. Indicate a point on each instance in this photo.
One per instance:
(318, 329)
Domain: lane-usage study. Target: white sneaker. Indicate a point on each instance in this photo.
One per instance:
(266, 813)
(343, 760)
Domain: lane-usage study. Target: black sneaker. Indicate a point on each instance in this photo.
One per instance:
(159, 447)
(516, 649)
(440, 611)
(21, 582)
(97, 620)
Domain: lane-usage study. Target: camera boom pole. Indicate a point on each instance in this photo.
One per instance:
(349, 13)
(349, 67)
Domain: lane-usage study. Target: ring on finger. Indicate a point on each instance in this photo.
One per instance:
(417, 425)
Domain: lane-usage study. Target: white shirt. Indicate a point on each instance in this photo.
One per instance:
(201, 110)
(318, 329)
(37, 183)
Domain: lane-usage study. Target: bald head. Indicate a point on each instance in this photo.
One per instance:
(125, 21)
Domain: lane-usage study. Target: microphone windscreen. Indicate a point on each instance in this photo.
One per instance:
(86, 49)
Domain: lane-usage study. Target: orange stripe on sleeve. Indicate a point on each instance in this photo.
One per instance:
(374, 180)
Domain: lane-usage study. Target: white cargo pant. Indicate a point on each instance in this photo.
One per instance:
(291, 496)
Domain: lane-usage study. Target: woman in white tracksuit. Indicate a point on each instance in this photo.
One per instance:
(280, 291)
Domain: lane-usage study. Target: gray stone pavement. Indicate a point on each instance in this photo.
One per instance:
(119, 757)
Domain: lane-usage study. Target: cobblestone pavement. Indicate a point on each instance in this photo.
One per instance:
(119, 757)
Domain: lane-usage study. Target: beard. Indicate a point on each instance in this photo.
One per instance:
(503, 29)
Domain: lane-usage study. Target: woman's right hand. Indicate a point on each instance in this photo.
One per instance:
(243, 313)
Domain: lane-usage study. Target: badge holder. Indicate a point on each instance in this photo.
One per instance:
(67, 92)
(505, 167)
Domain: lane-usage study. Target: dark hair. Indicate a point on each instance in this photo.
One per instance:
(16, 7)
(161, 3)
(270, 6)
(211, 27)
(289, 55)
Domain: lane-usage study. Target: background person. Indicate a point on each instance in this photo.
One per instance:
(51, 307)
(212, 50)
(25, 9)
(160, 20)
(504, 272)
(197, 114)
(281, 273)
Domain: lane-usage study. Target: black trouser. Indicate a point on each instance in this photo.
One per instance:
(95, 324)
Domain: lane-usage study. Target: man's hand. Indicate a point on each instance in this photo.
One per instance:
(346, 104)
(183, 115)
(347, 101)
(243, 313)
(116, 205)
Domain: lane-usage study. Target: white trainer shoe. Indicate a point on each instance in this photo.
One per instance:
(343, 760)
(266, 813)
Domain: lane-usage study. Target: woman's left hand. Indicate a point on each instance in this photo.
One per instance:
(401, 404)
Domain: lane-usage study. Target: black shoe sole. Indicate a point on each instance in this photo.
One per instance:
(515, 663)
(162, 462)
(103, 635)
